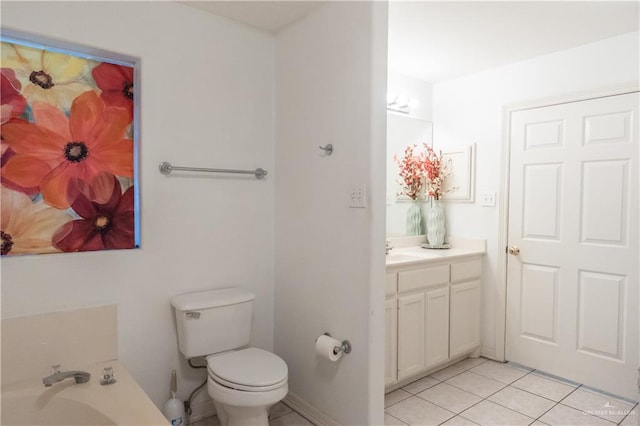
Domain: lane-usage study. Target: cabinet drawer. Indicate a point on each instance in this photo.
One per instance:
(422, 278)
(392, 284)
(466, 270)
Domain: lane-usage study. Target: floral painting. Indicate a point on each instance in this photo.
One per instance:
(67, 165)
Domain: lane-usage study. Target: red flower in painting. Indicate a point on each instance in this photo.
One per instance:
(116, 82)
(13, 103)
(7, 153)
(55, 149)
(108, 225)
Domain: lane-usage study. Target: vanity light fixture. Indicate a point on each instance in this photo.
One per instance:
(401, 103)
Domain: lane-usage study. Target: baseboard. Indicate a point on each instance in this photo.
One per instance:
(202, 410)
(488, 352)
(308, 411)
(403, 382)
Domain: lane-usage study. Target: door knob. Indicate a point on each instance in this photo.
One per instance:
(513, 250)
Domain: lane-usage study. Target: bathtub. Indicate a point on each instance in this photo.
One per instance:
(68, 403)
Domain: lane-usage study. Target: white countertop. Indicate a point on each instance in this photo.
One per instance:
(67, 402)
(412, 255)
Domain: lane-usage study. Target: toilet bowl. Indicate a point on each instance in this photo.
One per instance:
(245, 384)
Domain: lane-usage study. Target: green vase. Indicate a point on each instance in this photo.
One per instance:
(435, 224)
(414, 219)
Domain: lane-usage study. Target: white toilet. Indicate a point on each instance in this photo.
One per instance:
(243, 383)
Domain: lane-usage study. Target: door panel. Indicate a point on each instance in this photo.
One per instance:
(437, 326)
(605, 202)
(464, 325)
(539, 303)
(572, 291)
(391, 341)
(411, 334)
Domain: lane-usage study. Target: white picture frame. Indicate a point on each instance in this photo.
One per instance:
(462, 174)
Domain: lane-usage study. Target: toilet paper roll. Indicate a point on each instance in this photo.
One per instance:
(325, 347)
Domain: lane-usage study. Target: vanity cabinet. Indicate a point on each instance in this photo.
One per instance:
(432, 315)
(391, 331)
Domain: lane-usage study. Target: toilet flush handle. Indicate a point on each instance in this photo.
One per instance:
(192, 315)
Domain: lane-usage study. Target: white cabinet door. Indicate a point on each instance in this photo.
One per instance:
(391, 341)
(465, 317)
(411, 334)
(437, 326)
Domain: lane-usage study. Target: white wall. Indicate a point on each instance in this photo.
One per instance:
(470, 110)
(207, 100)
(329, 265)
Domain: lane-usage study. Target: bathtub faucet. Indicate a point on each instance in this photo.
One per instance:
(58, 376)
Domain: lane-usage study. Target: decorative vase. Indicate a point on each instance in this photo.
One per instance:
(435, 224)
(414, 219)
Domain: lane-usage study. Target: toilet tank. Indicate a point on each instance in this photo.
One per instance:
(213, 321)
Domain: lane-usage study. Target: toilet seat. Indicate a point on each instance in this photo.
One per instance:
(251, 370)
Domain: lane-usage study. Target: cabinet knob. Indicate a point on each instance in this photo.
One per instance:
(513, 250)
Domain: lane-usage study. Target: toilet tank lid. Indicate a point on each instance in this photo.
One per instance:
(211, 298)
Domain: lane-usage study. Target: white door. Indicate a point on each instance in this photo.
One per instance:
(572, 291)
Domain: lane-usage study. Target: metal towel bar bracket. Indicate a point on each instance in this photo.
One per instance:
(166, 168)
(328, 149)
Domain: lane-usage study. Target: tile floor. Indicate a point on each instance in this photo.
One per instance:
(482, 392)
(279, 415)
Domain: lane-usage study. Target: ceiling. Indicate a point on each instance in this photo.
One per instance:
(435, 41)
(269, 16)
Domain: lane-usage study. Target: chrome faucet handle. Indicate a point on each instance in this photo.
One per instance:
(55, 369)
(108, 376)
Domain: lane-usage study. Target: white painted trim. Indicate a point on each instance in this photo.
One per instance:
(308, 411)
(489, 352)
(466, 190)
(503, 238)
(503, 204)
(402, 383)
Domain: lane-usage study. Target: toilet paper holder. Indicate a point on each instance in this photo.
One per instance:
(344, 347)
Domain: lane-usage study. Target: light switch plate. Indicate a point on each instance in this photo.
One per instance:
(358, 196)
(488, 199)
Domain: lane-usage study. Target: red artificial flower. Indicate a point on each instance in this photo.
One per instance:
(116, 83)
(108, 225)
(411, 169)
(55, 149)
(437, 169)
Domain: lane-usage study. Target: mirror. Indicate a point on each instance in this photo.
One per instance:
(402, 131)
